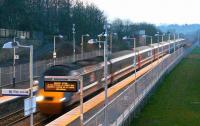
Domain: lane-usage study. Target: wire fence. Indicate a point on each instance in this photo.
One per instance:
(118, 110)
(22, 70)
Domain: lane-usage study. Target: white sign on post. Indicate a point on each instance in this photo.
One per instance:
(29, 106)
(16, 92)
(54, 55)
(16, 56)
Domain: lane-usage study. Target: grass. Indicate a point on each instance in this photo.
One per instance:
(177, 101)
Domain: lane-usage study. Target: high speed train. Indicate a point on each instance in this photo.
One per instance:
(119, 65)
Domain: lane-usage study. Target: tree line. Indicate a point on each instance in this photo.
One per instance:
(128, 28)
(57, 16)
(51, 16)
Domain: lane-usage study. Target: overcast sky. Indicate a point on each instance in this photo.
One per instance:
(152, 11)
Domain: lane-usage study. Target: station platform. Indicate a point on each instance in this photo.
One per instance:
(4, 99)
(96, 103)
(23, 85)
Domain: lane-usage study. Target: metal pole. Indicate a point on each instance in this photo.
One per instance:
(178, 35)
(158, 59)
(169, 42)
(14, 76)
(151, 40)
(74, 43)
(162, 63)
(0, 78)
(198, 37)
(158, 48)
(105, 72)
(162, 46)
(145, 39)
(174, 42)
(99, 45)
(82, 46)
(99, 49)
(31, 81)
(135, 64)
(54, 50)
(81, 100)
(110, 43)
(152, 51)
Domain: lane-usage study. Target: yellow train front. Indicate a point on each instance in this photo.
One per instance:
(50, 102)
(48, 99)
(53, 101)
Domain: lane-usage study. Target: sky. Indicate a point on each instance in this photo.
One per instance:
(152, 11)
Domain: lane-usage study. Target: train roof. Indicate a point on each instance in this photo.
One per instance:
(88, 62)
(141, 48)
(64, 70)
(58, 70)
(121, 53)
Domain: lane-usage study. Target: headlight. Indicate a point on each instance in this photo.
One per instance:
(35, 82)
(39, 98)
(62, 99)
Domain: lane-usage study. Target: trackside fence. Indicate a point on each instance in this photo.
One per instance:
(22, 70)
(126, 104)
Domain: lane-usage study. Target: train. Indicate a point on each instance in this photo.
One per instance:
(119, 64)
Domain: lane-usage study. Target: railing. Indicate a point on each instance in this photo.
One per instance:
(124, 104)
(22, 70)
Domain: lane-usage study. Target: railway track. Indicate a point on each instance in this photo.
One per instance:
(18, 119)
(11, 117)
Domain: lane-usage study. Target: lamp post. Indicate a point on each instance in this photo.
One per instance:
(111, 41)
(174, 42)
(74, 42)
(162, 41)
(178, 35)
(14, 58)
(95, 41)
(92, 41)
(158, 44)
(82, 39)
(81, 100)
(54, 47)
(151, 40)
(163, 37)
(134, 45)
(106, 26)
(16, 45)
(99, 41)
(169, 39)
(198, 32)
(149, 37)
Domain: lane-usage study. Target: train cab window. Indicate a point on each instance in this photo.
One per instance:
(48, 98)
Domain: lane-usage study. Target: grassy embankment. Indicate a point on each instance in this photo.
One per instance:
(177, 101)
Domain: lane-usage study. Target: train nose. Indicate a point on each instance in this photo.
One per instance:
(50, 102)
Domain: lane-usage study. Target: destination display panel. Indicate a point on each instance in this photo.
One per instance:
(61, 86)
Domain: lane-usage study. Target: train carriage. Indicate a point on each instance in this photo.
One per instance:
(119, 65)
